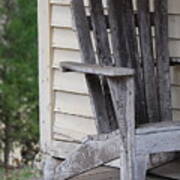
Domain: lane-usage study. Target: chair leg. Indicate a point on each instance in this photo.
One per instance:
(50, 165)
(127, 166)
(140, 165)
(133, 168)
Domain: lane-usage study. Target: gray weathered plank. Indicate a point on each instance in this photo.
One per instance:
(124, 43)
(99, 149)
(89, 155)
(49, 165)
(96, 69)
(169, 170)
(148, 61)
(100, 33)
(165, 141)
(103, 53)
(156, 127)
(122, 92)
(162, 51)
(105, 173)
(88, 56)
(140, 165)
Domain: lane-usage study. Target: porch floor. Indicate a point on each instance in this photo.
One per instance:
(170, 171)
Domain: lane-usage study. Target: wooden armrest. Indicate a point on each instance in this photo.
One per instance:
(96, 69)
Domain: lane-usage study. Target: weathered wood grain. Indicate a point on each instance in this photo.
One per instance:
(100, 32)
(122, 92)
(88, 56)
(162, 53)
(156, 127)
(91, 154)
(99, 149)
(45, 76)
(49, 167)
(133, 145)
(140, 165)
(96, 69)
(158, 142)
(169, 170)
(103, 53)
(124, 43)
(148, 61)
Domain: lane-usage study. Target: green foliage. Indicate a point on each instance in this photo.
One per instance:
(19, 174)
(18, 72)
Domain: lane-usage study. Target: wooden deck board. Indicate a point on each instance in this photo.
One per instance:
(167, 171)
(170, 170)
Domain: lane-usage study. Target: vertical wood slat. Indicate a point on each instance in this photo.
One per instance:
(162, 51)
(151, 97)
(100, 32)
(45, 76)
(88, 56)
(124, 42)
(103, 52)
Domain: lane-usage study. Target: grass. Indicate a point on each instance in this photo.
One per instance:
(19, 174)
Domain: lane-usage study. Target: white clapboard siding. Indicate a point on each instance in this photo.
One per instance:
(62, 17)
(58, 16)
(76, 104)
(74, 127)
(68, 2)
(64, 38)
(176, 97)
(62, 149)
(67, 39)
(79, 105)
(174, 26)
(175, 75)
(173, 5)
(176, 115)
(174, 48)
(70, 82)
(60, 55)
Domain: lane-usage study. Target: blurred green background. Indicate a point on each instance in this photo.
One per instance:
(19, 131)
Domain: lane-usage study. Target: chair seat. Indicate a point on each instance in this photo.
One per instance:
(157, 127)
(158, 137)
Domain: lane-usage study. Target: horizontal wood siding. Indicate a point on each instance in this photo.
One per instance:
(76, 104)
(74, 127)
(73, 115)
(173, 5)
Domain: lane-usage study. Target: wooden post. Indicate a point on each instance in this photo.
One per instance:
(122, 92)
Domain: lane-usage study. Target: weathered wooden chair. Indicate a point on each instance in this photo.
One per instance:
(130, 89)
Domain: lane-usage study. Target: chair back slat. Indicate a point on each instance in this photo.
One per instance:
(124, 42)
(149, 74)
(129, 49)
(100, 32)
(103, 53)
(83, 32)
(162, 54)
(88, 56)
